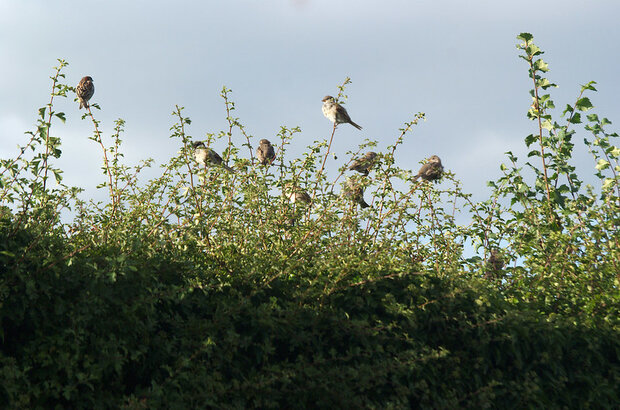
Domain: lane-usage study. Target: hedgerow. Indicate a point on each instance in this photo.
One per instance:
(206, 288)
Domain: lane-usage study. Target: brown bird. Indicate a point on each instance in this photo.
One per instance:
(85, 90)
(265, 152)
(494, 264)
(364, 164)
(206, 156)
(336, 112)
(296, 194)
(432, 170)
(355, 192)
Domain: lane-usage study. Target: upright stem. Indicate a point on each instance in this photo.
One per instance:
(105, 158)
(318, 175)
(48, 126)
(540, 128)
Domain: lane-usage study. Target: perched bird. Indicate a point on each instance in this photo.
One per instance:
(365, 163)
(265, 152)
(206, 156)
(355, 192)
(296, 194)
(432, 170)
(494, 264)
(336, 112)
(85, 90)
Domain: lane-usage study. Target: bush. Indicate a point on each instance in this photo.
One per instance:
(208, 288)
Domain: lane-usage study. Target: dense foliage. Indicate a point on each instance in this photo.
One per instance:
(207, 288)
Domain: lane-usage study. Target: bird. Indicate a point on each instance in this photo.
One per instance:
(265, 152)
(206, 156)
(431, 171)
(296, 194)
(365, 163)
(336, 112)
(85, 90)
(494, 264)
(355, 192)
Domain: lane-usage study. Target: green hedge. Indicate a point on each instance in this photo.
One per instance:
(142, 331)
(204, 288)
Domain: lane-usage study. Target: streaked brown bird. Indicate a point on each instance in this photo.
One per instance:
(296, 194)
(354, 191)
(206, 156)
(336, 112)
(265, 152)
(365, 163)
(432, 170)
(85, 90)
(494, 265)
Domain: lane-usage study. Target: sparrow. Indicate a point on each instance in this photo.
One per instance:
(336, 112)
(494, 264)
(265, 152)
(85, 90)
(355, 192)
(431, 171)
(296, 194)
(364, 164)
(206, 156)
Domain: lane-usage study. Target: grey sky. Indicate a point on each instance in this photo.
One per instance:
(454, 60)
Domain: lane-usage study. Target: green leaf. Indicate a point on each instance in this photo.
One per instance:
(567, 109)
(576, 119)
(42, 112)
(61, 116)
(530, 139)
(540, 65)
(602, 164)
(525, 37)
(588, 86)
(533, 50)
(558, 199)
(607, 184)
(583, 104)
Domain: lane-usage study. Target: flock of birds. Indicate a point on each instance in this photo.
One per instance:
(432, 170)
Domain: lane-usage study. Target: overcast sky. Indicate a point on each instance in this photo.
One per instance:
(454, 60)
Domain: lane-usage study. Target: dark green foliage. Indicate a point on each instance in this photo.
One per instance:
(107, 331)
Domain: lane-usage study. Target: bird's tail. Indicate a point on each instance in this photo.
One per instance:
(227, 168)
(82, 104)
(355, 125)
(363, 204)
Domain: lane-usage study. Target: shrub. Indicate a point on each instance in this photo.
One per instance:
(208, 288)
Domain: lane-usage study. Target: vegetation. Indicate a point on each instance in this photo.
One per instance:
(206, 288)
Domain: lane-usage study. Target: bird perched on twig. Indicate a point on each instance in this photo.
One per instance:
(494, 264)
(365, 163)
(336, 112)
(265, 152)
(85, 90)
(296, 194)
(355, 192)
(432, 170)
(206, 156)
